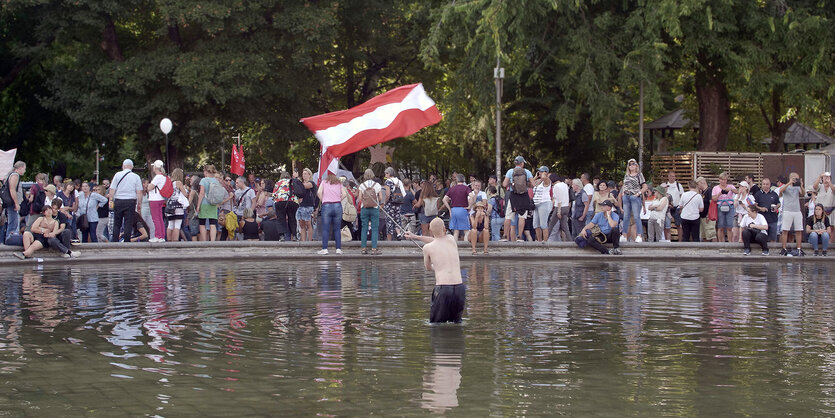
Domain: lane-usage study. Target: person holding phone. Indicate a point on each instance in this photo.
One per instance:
(792, 214)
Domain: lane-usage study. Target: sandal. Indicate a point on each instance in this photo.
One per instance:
(364, 251)
(475, 252)
(375, 251)
(485, 252)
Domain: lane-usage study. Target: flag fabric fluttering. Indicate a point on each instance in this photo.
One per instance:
(397, 113)
(237, 166)
(7, 162)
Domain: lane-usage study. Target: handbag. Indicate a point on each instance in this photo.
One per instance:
(83, 223)
(346, 234)
(713, 211)
(598, 234)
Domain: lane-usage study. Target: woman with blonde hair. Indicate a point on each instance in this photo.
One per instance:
(369, 195)
(206, 212)
(175, 209)
(331, 194)
(305, 212)
(631, 200)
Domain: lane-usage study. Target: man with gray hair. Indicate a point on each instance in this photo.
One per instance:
(126, 199)
(14, 199)
(244, 195)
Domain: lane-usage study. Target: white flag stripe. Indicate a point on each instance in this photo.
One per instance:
(6, 162)
(379, 118)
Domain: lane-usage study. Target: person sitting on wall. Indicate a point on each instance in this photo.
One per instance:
(602, 229)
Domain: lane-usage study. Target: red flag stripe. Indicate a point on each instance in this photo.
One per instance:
(322, 122)
(405, 124)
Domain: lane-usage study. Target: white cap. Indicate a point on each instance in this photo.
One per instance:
(744, 184)
(827, 174)
(157, 164)
(127, 162)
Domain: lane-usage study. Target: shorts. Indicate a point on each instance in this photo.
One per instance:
(707, 229)
(459, 219)
(40, 238)
(304, 213)
(540, 215)
(207, 222)
(792, 221)
(676, 216)
(175, 221)
(726, 219)
(447, 303)
(508, 211)
(424, 220)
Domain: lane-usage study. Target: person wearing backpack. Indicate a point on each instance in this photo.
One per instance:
(126, 195)
(12, 196)
(395, 193)
(517, 180)
(156, 199)
(370, 196)
(207, 201)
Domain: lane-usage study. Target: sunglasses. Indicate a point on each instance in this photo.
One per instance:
(228, 179)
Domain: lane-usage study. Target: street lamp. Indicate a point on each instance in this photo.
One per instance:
(498, 75)
(165, 126)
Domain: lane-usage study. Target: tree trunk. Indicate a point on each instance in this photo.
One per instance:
(714, 108)
(777, 128)
(109, 43)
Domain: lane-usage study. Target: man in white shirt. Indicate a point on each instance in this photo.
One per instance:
(560, 216)
(674, 190)
(588, 188)
(244, 195)
(126, 197)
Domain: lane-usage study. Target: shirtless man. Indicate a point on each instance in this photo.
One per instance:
(441, 255)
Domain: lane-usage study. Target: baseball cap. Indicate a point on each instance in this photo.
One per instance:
(544, 169)
(827, 174)
(606, 202)
(158, 164)
(520, 159)
(744, 184)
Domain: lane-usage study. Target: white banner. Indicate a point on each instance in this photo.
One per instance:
(6, 162)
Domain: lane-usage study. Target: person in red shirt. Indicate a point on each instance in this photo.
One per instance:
(456, 201)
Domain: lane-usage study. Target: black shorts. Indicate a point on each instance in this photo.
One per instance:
(207, 222)
(447, 303)
(42, 239)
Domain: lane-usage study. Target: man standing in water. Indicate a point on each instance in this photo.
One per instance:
(441, 255)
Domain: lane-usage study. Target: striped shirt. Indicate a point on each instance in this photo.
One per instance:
(632, 184)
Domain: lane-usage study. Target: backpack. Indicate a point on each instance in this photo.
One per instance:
(6, 193)
(369, 196)
(349, 211)
(396, 195)
(520, 181)
(37, 203)
(167, 189)
(430, 206)
(297, 188)
(499, 206)
(216, 193)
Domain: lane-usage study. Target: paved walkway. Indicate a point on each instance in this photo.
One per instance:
(258, 250)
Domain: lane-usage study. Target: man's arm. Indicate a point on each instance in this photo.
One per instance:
(585, 210)
(421, 238)
(505, 182)
(13, 191)
(816, 186)
(446, 203)
(427, 262)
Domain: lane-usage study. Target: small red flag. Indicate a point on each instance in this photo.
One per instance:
(238, 165)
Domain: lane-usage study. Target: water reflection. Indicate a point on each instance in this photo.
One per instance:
(352, 338)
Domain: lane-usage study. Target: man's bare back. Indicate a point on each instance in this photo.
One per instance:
(441, 255)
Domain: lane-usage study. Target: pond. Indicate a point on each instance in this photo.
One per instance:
(353, 338)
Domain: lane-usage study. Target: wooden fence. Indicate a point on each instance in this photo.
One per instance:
(691, 165)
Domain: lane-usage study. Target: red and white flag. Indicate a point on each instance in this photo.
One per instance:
(238, 166)
(397, 113)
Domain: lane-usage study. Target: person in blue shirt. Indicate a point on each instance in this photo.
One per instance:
(607, 220)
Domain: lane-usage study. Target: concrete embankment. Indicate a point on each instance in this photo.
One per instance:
(303, 251)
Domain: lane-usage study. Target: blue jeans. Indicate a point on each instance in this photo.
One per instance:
(632, 208)
(12, 222)
(331, 221)
(496, 228)
(824, 238)
(372, 216)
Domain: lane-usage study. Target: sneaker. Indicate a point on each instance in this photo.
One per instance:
(622, 238)
(815, 254)
(338, 251)
(746, 252)
(19, 255)
(615, 251)
(65, 255)
(639, 239)
(824, 253)
(765, 252)
(784, 252)
(322, 252)
(503, 240)
(801, 253)
(75, 254)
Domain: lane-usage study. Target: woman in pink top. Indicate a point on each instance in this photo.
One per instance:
(330, 194)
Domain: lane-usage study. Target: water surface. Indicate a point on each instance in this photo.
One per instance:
(352, 338)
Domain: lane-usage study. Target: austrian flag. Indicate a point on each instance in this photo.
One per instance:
(397, 113)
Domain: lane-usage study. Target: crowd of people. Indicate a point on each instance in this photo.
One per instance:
(523, 205)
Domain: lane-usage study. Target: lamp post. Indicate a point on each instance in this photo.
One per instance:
(165, 126)
(498, 75)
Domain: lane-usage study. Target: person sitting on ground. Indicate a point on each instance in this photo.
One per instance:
(63, 233)
(817, 226)
(657, 216)
(603, 228)
(441, 255)
(480, 226)
(140, 229)
(248, 225)
(271, 227)
(754, 228)
(792, 214)
(44, 234)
